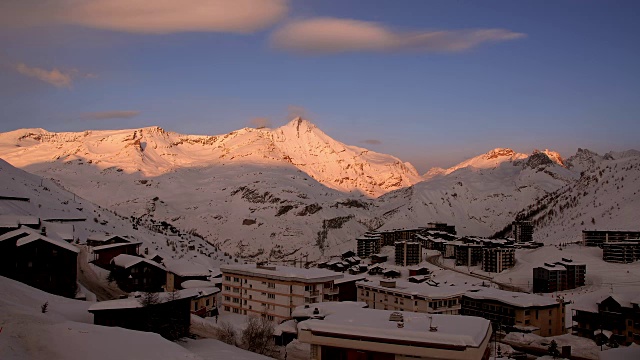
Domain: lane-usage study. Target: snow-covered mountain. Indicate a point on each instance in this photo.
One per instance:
(481, 195)
(154, 152)
(293, 192)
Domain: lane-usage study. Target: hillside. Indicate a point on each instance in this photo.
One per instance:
(274, 194)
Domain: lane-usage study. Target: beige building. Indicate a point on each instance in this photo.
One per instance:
(274, 291)
(407, 296)
(354, 333)
(540, 315)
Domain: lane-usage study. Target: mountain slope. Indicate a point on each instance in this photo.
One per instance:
(480, 196)
(153, 152)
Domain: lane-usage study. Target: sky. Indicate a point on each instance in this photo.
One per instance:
(431, 82)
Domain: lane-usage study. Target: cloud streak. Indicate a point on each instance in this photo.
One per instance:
(144, 16)
(260, 123)
(333, 35)
(54, 77)
(112, 114)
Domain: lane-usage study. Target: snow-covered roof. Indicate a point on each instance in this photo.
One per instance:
(17, 220)
(199, 292)
(103, 237)
(185, 269)
(21, 232)
(133, 302)
(127, 261)
(191, 284)
(424, 290)
(326, 308)
(288, 326)
(38, 237)
(116, 245)
(64, 231)
(286, 273)
(516, 299)
(348, 278)
(459, 331)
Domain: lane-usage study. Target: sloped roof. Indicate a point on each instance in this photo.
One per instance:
(185, 268)
(38, 237)
(21, 232)
(127, 261)
(133, 302)
(110, 246)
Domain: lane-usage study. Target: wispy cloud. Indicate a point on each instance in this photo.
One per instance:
(56, 77)
(260, 122)
(144, 16)
(333, 35)
(112, 114)
(372, 142)
(294, 111)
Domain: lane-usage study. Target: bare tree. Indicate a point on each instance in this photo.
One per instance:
(258, 335)
(227, 333)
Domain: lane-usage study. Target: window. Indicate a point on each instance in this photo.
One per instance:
(226, 298)
(227, 278)
(271, 296)
(367, 293)
(206, 302)
(195, 306)
(227, 288)
(272, 285)
(235, 279)
(526, 312)
(270, 317)
(226, 308)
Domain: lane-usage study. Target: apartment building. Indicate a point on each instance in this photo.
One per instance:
(549, 278)
(408, 253)
(356, 333)
(599, 237)
(540, 315)
(468, 255)
(497, 259)
(369, 244)
(274, 291)
(406, 296)
(576, 272)
(522, 231)
(444, 227)
(621, 251)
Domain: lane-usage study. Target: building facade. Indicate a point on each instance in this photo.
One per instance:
(549, 278)
(388, 335)
(615, 314)
(368, 245)
(274, 291)
(517, 311)
(599, 237)
(497, 259)
(408, 253)
(621, 251)
(406, 296)
(522, 231)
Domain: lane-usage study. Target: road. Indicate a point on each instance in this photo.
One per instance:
(435, 260)
(90, 280)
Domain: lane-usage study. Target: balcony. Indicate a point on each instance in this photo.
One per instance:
(331, 291)
(312, 293)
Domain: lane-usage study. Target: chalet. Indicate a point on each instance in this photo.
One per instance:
(47, 264)
(169, 316)
(63, 231)
(133, 273)
(8, 250)
(357, 269)
(616, 316)
(391, 274)
(152, 255)
(376, 270)
(376, 259)
(103, 254)
(203, 300)
(419, 270)
(105, 239)
(179, 271)
(348, 254)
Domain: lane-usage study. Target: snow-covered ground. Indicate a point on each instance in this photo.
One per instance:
(66, 332)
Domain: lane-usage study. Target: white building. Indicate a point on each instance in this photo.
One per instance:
(274, 291)
(355, 333)
(407, 296)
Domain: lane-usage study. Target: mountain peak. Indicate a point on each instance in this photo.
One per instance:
(499, 152)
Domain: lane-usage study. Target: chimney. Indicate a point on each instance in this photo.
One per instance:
(146, 251)
(388, 283)
(43, 231)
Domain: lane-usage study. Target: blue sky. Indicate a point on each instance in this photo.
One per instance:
(432, 82)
